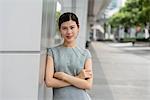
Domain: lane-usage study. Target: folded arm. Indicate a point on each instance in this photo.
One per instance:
(49, 79)
(61, 79)
(84, 80)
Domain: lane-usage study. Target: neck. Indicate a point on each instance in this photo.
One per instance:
(72, 44)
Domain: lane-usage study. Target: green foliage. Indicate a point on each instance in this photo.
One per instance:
(57, 18)
(57, 15)
(134, 12)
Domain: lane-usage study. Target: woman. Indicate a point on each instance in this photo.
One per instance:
(69, 67)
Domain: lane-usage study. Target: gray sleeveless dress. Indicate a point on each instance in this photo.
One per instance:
(70, 61)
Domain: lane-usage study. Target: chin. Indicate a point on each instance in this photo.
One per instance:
(69, 40)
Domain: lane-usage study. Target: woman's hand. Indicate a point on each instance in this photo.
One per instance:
(85, 74)
(60, 75)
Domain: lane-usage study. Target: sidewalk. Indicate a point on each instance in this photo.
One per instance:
(119, 72)
(101, 89)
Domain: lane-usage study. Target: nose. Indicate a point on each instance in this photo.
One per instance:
(69, 31)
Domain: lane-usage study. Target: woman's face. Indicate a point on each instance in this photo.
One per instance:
(69, 31)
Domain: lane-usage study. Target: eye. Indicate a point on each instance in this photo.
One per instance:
(72, 27)
(64, 28)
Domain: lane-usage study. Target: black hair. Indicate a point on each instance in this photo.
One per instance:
(67, 17)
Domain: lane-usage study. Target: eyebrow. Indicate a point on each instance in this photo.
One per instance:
(69, 26)
(72, 25)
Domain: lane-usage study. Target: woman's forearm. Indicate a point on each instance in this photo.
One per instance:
(56, 83)
(80, 83)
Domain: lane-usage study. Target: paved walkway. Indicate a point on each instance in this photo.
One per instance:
(121, 72)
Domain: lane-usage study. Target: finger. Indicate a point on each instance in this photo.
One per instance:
(87, 70)
(89, 75)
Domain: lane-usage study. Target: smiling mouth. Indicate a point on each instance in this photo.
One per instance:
(69, 37)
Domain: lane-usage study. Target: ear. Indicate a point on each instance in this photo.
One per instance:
(78, 29)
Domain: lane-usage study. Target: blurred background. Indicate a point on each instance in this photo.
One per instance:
(117, 33)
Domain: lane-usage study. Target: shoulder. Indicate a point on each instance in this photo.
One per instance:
(84, 51)
(54, 49)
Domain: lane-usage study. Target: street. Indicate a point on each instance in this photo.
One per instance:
(121, 71)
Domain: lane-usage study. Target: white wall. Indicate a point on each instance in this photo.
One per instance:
(81, 11)
(66, 5)
(21, 23)
(23, 43)
(19, 76)
(48, 34)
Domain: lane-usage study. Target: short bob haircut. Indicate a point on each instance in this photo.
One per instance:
(67, 17)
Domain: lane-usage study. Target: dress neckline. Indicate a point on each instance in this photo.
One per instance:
(68, 47)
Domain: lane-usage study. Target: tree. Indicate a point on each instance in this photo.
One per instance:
(134, 12)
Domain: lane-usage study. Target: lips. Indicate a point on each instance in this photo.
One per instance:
(69, 37)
